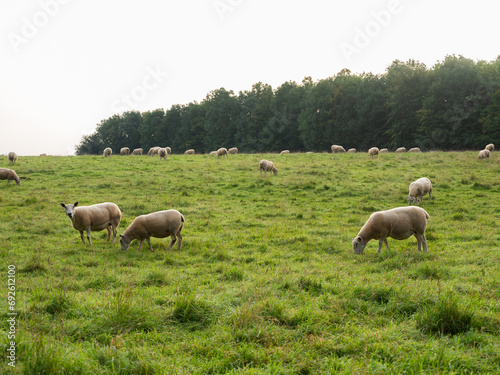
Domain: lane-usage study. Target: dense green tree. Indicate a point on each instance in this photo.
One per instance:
(153, 130)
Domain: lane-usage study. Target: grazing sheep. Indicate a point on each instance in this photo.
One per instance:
(107, 152)
(137, 151)
(158, 224)
(353, 150)
(490, 147)
(285, 152)
(232, 150)
(43, 154)
(337, 149)
(418, 189)
(373, 152)
(169, 150)
(9, 174)
(484, 154)
(383, 151)
(222, 152)
(12, 157)
(162, 153)
(398, 223)
(189, 152)
(125, 151)
(414, 149)
(213, 152)
(153, 151)
(401, 149)
(94, 218)
(266, 165)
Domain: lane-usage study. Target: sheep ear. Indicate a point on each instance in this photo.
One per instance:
(63, 205)
(121, 235)
(76, 204)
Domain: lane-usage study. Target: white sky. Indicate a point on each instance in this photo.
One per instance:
(65, 65)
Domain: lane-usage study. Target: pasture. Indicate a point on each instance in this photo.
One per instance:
(266, 281)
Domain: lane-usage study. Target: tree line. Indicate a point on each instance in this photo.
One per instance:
(454, 105)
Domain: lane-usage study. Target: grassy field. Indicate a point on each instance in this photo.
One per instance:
(266, 281)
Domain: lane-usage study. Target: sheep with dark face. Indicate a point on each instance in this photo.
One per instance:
(162, 153)
(9, 174)
(94, 218)
(399, 223)
(158, 224)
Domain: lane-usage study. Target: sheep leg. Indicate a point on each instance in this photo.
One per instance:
(430, 196)
(179, 237)
(421, 241)
(81, 235)
(109, 233)
(149, 243)
(114, 233)
(172, 242)
(88, 236)
(380, 242)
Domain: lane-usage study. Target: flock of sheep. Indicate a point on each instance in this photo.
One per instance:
(399, 223)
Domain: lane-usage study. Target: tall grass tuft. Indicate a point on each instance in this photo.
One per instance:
(446, 317)
(188, 309)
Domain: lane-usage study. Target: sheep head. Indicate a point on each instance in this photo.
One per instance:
(358, 245)
(70, 209)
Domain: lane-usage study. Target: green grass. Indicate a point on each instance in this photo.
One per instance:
(266, 281)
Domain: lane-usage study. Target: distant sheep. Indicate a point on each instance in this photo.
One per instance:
(213, 152)
(401, 149)
(137, 151)
(490, 147)
(162, 152)
(418, 189)
(125, 151)
(12, 157)
(107, 152)
(383, 151)
(337, 149)
(484, 154)
(189, 152)
(285, 152)
(373, 151)
(169, 150)
(353, 150)
(153, 151)
(232, 150)
(267, 166)
(414, 149)
(9, 174)
(158, 224)
(398, 223)
(221, 152)
(94, 218)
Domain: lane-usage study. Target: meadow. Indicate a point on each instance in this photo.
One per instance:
(266, 281)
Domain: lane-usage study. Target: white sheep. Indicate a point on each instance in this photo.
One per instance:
(124, 151)
(189, 152)
(418, 189)
(12, 157)
(107, 152)
(221, 152)
(414, 149)
(383, 151)
(266, 165)
(373, 151)
(484, 154)
(169, 150)
(401, 149)
(94, 218)
(337, 149)
(137, 151)
(162, 153)
(158, 224)
(213, 152)
(232, 150)
(153, 151)
(9, 174)
(285, 152)
(399, 223)
(490, 147)
(353, 150)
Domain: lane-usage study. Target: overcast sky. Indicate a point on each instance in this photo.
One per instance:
(68, 64)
